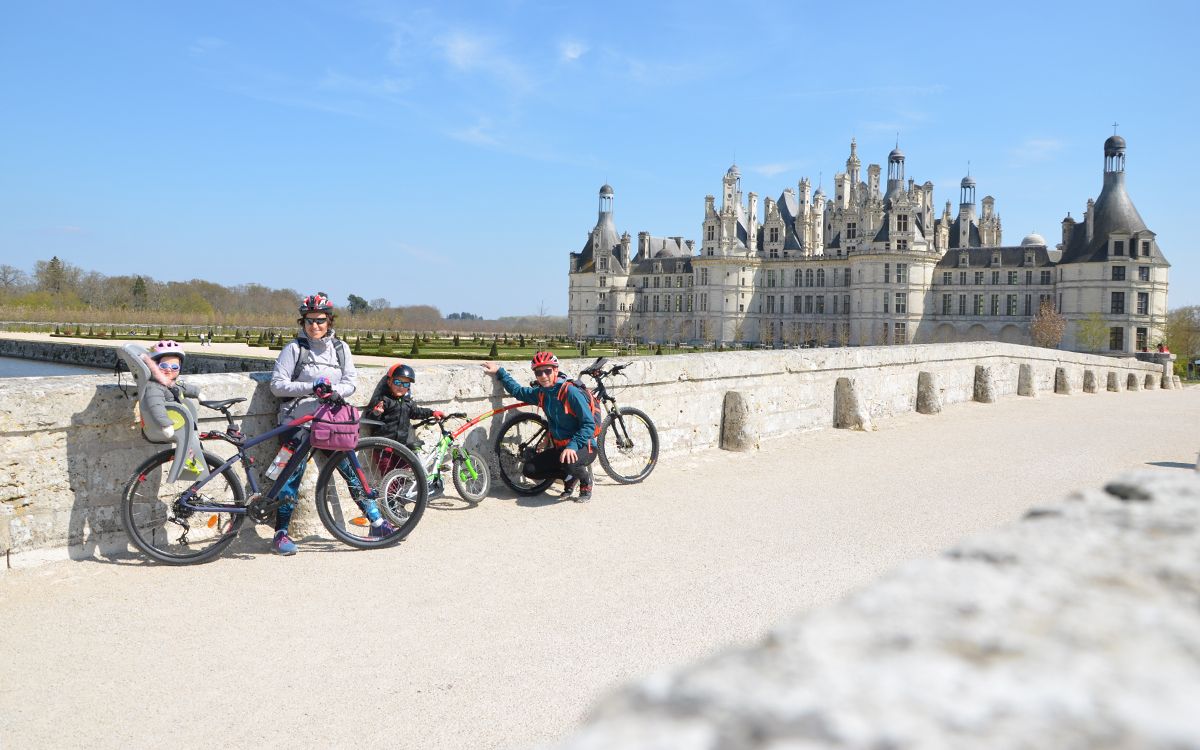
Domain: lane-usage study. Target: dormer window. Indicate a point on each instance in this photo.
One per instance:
(964, 260)
(1028, 258)
(902, 223)
(995, 259)
(604, 264)
(658, 267)
(1118, 247)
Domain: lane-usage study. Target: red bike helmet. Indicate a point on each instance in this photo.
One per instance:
(544, 359)
(164, 348)
(318, 302)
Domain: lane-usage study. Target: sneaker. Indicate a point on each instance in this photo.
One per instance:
(283, 544)
(381, 531)
(585, 493)
(435, 488)
(569, 487)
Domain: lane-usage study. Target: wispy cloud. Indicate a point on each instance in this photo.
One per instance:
(570, 50)
(899, 90)
(205, 44)
(467, 52)
(1033, 150)
(776, 168)
(479, 134)
(382, 87)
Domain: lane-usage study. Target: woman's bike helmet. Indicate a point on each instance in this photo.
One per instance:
(318, 302)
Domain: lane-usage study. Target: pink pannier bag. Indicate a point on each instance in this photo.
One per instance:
(335, 428)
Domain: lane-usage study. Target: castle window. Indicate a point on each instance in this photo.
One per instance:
(887, 273)
(821, 304)
(979, 277)
(656, 303)
(995, 277)
(774, 252)
(833, 302)
(995, 304)
(1143, 303)
(703, 302)
(622, 307)
(774, 234)
(678, 303)
(796, 304)
(901, 244)
(797, 276)
(1141, 339)
(947, 278)
(847, 277)
(885, 301)
(845, 303)
(770, 303)
(901, 273)
(901, 302)
(1118, 303)
(820, 277)
(947, 304)
(964, 259)
(1029, 277)
(1012, 277)
(689, 303)
(1010, 305)
(604, 264)
(901, 334)
(770, 278)
(1143, 273)
(603, 281)
(808, 308)
(1145, 249)
(658, 267)
(1118, 273)
(645, 281)
(1118, 247)
(657, 282)
(851, 230)
(711, 231)
(1047, 277)
(1116, 338)
(902, 223)
(808, 277)
(962, 304)
(1029, 304)
(703, 277)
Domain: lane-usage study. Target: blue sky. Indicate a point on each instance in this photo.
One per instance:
(450, 153)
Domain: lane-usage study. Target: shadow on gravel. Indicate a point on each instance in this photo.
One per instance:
(1171, 464)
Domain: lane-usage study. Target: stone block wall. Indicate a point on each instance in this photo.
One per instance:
(1077, 627)
(102, 356)
(66, 447)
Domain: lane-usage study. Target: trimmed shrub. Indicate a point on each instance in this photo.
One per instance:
(494, 351)
(416, 346)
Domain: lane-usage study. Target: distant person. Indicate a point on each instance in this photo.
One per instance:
(391, 403)
(1162, 348)
(316, 359)
(572, 426)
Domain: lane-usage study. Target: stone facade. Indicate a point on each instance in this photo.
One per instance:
(873, 264)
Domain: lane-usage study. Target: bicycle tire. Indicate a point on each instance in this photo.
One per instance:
(148, 517)
(471, 489)
(381, 460)
(628, 439)
(519, 437)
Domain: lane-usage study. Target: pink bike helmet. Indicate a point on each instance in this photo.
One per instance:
(163, 348)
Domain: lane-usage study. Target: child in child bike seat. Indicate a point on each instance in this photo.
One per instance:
(165, 387)
(572, 426)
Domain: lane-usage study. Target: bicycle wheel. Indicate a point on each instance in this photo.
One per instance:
(523, 436)
(471, 488)
(628, 445)
(392, 472)
(170, 533)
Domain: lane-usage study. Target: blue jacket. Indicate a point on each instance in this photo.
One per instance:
(578, 428)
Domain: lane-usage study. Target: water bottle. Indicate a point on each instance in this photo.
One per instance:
(280, 461)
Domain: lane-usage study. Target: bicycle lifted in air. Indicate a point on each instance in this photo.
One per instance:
(627, 444)
(191, 521)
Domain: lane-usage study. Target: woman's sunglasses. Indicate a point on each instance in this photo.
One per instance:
(314, 321)
(168, 366)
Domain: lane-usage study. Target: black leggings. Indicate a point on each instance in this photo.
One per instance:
(548, 463)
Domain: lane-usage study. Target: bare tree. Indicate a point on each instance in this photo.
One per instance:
(11, 278)
(1047, 327)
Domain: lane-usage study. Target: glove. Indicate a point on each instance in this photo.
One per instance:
(321, 384)
(439, 415)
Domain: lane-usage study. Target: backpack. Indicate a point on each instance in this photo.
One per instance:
(339, 348)
(563, 391)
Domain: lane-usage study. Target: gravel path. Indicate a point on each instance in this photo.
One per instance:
(497, 625)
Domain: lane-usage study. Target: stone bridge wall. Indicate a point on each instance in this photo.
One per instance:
(66, 446)
(99, 355)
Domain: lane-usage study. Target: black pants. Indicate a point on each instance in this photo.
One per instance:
(548, 463)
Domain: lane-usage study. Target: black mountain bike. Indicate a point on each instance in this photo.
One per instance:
(191, 520)
(628, 441)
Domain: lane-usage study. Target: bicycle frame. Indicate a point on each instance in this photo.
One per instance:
(302, 453)
(449, 440)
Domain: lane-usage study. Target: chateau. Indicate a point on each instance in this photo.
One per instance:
(873, 264)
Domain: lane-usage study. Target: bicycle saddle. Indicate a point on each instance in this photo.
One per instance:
(219, 405)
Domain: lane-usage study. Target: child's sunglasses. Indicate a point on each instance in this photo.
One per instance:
(168, 366)
(401, 382)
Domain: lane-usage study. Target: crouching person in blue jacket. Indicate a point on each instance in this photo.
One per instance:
(572, 425)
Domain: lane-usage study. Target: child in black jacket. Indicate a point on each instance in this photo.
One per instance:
(392, 404)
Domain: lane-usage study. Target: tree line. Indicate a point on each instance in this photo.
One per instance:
(57, 291)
